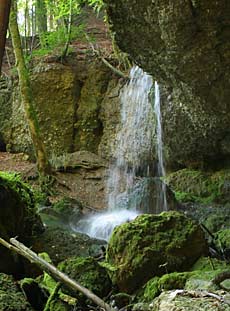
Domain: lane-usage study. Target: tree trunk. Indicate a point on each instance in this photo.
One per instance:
(26, 96)
(4, 18)
(41, 20)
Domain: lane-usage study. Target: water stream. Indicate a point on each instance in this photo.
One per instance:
(161, 204)
(133, 154)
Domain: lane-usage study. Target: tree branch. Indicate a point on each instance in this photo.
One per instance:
(53, 271)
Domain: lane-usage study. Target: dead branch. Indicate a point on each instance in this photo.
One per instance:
(53, 271)
(111, 67)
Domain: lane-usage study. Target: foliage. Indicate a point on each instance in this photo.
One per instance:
(98, 5)
(53, 42)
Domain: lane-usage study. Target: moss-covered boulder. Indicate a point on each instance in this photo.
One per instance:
(151, 245)
(18, 217)
(203, 272)
(11, 298)
(89, 273)
(199, 186)
(199, 277)
(61, 244)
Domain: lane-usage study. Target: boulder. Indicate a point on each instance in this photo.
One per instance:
(89, 273)
(152, 245)
(183, 301)
(61, 244)
(18, 217)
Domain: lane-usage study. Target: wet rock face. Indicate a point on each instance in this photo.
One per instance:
(151, 245)
(187, 51)
(69, 110)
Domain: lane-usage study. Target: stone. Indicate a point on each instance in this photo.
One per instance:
(187, 52)
(151, 245)
(89, 273)
(186, 301)
(18, 217)
(61, 244)
(88, 128)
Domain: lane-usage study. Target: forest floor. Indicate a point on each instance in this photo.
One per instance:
(86, 186)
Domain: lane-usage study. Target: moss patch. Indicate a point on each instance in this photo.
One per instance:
(152, 245)
(88, 273)
(11, 298)
(197, 186)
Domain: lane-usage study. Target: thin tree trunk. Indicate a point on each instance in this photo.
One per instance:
(4, 19)
(27, 98)
(41, 20)
(53, 271)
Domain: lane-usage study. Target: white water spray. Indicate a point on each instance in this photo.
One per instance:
(161, 198)
(134, 141)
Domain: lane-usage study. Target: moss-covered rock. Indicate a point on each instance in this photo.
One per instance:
(151, 245)
(201, 187)
(61, 244)
(89, 273)
(18, 217)
(11, 298)
(203, 272)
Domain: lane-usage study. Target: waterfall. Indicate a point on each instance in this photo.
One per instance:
(134, 139)
(161, 203)
(133, 153)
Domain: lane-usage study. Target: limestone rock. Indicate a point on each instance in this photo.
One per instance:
(79, 159)
(151, 245)
(186, 301)
(88, 128)
(187, 52)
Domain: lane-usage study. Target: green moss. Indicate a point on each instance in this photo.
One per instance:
(223, 239)
(202, 273)
(152, 245)
(14, 182)
(11, 298)
(173, 280)
(150, 290)
(197, 186)
(88, 273)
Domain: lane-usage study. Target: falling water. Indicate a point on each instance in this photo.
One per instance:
(161, 198)
(134, 139)
(133, 151)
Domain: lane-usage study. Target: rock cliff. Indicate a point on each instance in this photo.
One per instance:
(185, 46)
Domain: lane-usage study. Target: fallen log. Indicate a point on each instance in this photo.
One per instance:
(59, 276)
